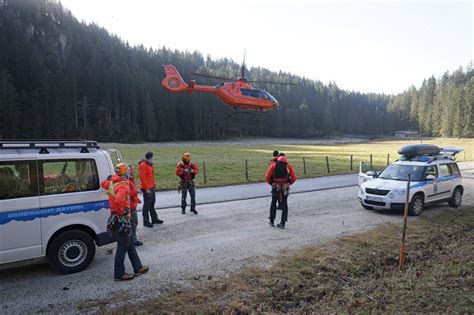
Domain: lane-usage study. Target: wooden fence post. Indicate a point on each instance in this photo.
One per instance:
(304, 165)
(327, 163)
(388, 159)
(404, 231)
(204, 171)
(246, 170)
(371, 159)
(351, 162)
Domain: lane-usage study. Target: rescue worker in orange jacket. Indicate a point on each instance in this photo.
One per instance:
(118, 189)
(148, 188)
(280, 176)
(134, 201)
(187, 170)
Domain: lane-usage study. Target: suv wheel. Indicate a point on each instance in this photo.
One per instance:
(456, 198)
(416, 205)
(71, 251)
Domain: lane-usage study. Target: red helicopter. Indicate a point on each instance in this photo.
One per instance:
(238, 95)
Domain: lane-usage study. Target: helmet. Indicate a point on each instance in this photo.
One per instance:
(121, 169)
(187, 156)
(282, 159)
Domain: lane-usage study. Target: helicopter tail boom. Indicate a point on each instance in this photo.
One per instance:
(173, 81)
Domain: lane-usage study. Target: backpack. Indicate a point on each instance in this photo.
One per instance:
(280, 170)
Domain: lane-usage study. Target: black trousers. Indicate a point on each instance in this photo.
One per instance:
(184, 194)
(149, 206)
(125, 246)
(276, 195)
(134, 223)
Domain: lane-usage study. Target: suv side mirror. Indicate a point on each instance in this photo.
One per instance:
(430, 177)
(371, 173)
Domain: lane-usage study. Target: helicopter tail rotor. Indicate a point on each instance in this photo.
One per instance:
(173, 81)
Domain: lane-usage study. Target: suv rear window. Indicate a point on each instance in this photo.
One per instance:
(18, 179)
(68, 176)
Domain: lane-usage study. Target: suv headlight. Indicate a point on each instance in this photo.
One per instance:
(362, 190)
(399, 192)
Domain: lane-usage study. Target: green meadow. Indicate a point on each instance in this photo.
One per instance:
(225, 163)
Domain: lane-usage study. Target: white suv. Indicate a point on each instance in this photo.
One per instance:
(435, 178)
(51, 203)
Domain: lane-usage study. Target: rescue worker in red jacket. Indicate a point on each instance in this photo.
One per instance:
(118, 189)
(280, 176)
(187, 170)
(148, 188)
(134, 201)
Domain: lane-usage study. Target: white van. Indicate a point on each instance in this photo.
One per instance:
(51, 203)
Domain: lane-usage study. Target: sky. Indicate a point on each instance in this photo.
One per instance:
(367, 46)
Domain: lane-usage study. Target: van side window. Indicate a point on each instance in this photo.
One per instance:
(18, 179)
(68, 176)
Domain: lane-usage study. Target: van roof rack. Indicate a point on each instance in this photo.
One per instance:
(44, 145)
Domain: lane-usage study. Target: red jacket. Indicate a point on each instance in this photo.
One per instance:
(134, 200)
(119, 196)
(147, 175)
(186, 176)
(271, 169)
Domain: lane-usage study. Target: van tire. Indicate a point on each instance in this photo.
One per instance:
(71, 251)
(416, 205)
(456, 198)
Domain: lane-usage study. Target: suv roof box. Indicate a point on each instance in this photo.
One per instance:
(413, 150)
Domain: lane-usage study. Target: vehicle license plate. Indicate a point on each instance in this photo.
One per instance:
(379, 199)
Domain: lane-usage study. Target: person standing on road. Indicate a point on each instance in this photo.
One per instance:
(187, 170)
(134, 201)
(280, 176)
(118, 189)
(148, 188)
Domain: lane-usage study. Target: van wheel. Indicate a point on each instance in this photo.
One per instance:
(456, 198)
(71, 251)
(416, 205)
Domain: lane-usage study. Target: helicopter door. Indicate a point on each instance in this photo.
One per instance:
(366, 172)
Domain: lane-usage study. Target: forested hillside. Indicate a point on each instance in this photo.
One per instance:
(60, 78)
(443, 107)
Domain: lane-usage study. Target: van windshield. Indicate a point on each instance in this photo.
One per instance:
(400, 172)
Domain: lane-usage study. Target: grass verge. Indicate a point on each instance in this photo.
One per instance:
(225, 164)
(357, 273)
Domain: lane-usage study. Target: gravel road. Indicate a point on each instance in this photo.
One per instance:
(224, 237)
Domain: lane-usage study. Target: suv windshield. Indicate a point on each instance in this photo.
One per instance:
(400, 172)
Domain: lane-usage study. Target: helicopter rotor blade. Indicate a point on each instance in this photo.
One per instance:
(212, 76)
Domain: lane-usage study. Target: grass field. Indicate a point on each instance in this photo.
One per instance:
(355, 274)
(225, 163)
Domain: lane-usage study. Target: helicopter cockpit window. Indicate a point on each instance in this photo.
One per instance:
(254, 93)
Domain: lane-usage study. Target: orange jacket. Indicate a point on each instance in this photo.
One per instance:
(147, 175)
(134, 200)
(119, 195)
(186, 176)
(271, 169)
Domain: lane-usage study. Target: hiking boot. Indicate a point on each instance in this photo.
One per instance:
(138, 243)
(194, 211)
(148, 224)
(183, 211)
(158, 221)
(271, 223)
(125, 277)
(142, 270)
(281, 225)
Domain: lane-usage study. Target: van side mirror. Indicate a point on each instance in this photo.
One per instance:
(430, 177)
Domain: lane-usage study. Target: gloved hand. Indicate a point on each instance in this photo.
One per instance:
(126, 211)
(109, 177)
